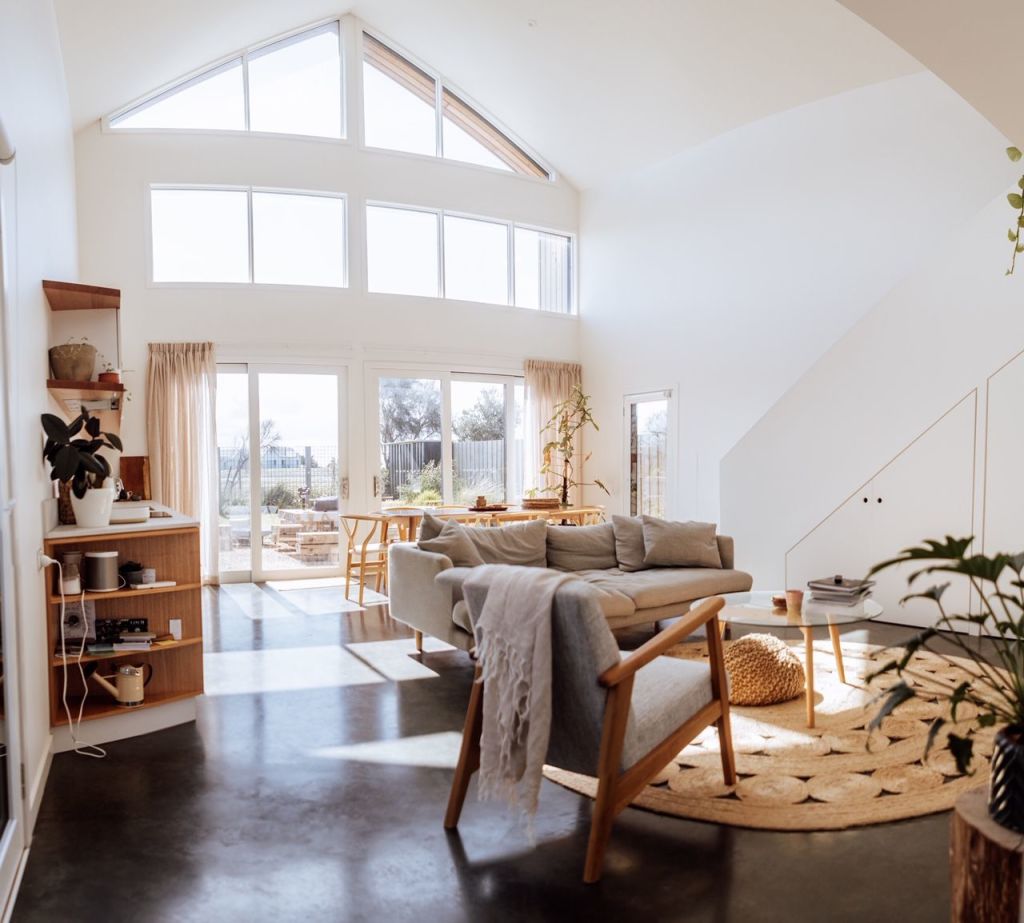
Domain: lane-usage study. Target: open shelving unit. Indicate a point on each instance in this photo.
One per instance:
(177, 665)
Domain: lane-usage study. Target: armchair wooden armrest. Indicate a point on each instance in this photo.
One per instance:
(661, 642)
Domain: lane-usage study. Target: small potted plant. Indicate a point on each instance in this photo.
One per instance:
(109, 374)
(994, 681)
(569, 417)
(74, 458)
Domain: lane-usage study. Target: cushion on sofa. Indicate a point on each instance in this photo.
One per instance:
(651, 589)
(460, 616)
(680, 544)
(629, 543)
(430, 526)
(456, 544)
(523, 543)
(574, 548)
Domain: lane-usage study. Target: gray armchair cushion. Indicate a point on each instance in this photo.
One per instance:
(581, 548)
(523, 543)
(666, 693)
(456, 544)
(629, 543)
(680, 544)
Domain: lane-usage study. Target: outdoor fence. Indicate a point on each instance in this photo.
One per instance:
(284, 471)
(478, 465)
(651, 461)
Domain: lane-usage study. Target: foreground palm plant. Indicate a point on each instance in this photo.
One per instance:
(995, 683)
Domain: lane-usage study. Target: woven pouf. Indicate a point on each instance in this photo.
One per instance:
(763, 670)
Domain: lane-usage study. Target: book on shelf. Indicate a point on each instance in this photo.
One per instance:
(138, 635)
(131, 646)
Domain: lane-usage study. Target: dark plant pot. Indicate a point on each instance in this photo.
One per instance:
(1006, 790)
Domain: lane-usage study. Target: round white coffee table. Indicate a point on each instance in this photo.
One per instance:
(757, 609)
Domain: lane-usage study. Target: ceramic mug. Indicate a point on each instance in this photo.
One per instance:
(794, 600)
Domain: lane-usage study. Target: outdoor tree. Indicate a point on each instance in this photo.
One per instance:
(410, 409)
(484, 421)
(238, 460)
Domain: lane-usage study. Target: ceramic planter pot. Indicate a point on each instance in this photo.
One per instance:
(93, 510)
(73, 362)
(112, 378)
(1006, 789)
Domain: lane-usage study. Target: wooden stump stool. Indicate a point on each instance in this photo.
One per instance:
(985, 864)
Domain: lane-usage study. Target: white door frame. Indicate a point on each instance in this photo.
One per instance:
(628, 400)
(14, 838)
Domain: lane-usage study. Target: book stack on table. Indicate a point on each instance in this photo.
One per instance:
(839, 590)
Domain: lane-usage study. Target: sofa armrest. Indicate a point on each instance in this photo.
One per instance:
(727, 552)
(415, 598)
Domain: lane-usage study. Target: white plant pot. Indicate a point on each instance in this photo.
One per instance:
(93, 510)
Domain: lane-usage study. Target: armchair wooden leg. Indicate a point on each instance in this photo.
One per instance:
(725, 745)
(417, 636)
(616, 716)
(469, 754)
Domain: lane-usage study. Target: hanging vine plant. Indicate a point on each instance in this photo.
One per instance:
(1016, 200)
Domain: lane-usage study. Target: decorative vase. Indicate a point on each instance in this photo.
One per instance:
(73, 362)
(1006, 789)
(93, 510)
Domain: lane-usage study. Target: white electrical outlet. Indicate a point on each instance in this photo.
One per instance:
(175, 625)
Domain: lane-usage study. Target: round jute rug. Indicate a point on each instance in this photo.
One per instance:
(829, 777)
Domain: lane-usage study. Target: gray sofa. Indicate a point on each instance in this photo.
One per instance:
(425, 588)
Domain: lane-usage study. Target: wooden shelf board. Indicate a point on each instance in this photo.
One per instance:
(114, 655)
(87, 390)
(74, 296)
(123, 594)
(97, 707)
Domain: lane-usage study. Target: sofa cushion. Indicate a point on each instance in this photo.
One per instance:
(581, 547)
(523, 543)
(460, 616)
(651, 589)
(629, 543)
(430, 526)
(455, 543)
(680, 544)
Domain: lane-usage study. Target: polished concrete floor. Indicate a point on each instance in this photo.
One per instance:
(313, 784)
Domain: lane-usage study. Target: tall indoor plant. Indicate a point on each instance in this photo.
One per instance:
(567, 420)
(74, 458)
(994, 684)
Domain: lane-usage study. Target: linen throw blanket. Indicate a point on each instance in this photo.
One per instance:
(513, 634)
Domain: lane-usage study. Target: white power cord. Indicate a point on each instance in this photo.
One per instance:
(81, 747)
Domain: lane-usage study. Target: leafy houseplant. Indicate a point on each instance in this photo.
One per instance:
(994, 683)
(569, 417)
(74, 458)
(1016, 200)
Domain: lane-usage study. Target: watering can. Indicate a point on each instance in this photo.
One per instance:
(130, 683)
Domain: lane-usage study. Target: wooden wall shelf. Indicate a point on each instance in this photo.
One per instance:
(74, 296)
(72, 659)
(71, 394)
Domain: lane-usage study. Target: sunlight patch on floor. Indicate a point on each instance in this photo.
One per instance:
(284, 670)
(397, 660)
(435, 751)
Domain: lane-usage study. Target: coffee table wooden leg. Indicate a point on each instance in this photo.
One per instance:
(837, 649)
(809, 670)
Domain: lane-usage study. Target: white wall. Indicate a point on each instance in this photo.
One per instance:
(334, 325)
(34, 108)
(728, 270)
(930, 341)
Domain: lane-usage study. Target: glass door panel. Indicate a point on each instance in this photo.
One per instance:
(235, 526)
(408, 469)
(298, 528)
(480, 414)
(648, 455)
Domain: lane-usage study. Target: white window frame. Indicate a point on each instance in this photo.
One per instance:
(249, 190)
(441, 83)
(511, 226)
(242, 55)
(671, 446)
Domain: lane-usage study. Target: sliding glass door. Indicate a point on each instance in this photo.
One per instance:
(279, 504)
(445, 438)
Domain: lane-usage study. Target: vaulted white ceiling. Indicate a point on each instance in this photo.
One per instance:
(597, 88)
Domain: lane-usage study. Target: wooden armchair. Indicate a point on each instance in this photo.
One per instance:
(621, 719)
(367, 551)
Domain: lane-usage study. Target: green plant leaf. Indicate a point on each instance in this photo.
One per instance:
(962, 749)
(1020, 182)
(55, 428)
(65, 463)
(1013, 153)
(92, 426)
(1011, 234)
(1015, 200)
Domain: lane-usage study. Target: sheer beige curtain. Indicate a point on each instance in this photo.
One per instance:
(547, 384)
(181, 394)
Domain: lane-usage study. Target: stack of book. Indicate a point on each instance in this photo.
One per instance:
(840, 590)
